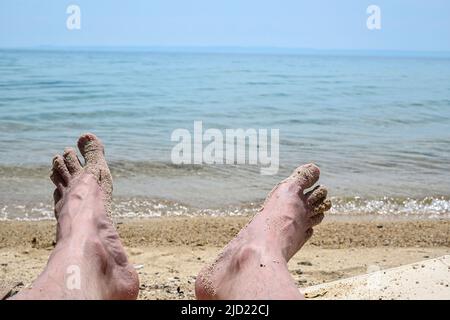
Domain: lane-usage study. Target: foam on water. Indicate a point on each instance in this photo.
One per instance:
(428, 208)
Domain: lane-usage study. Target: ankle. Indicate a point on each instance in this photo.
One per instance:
(75, 228)
(255, 255)
(264, 245)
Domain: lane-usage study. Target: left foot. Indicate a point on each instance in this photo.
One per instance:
(89, 261)
(68, 166)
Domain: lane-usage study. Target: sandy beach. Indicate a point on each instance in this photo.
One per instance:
(169, 252)
(180, 121)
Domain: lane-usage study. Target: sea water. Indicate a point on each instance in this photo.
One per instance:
(377, 125)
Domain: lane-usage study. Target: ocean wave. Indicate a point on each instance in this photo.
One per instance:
(435, 207)
(136, 207)
(124, 168)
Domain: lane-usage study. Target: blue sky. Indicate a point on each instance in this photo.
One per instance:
(413, 25)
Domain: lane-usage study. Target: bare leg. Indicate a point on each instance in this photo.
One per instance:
(254, 264)
(89, 261)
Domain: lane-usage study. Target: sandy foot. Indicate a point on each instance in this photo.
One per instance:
(88, 254)
(254, 264)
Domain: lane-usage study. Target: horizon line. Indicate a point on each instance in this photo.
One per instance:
(226, 48)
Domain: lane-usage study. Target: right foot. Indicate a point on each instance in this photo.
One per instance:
(254, 264)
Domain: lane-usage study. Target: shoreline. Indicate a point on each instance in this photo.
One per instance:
(169, 252)
(218, 231)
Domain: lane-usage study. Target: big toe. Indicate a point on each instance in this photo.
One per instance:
(93, 152)
(91, 148)
(306, 176)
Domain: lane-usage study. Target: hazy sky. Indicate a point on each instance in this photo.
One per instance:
(422, 25)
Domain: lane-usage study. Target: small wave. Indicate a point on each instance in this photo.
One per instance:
(427, 208)
(275, 95)
(18, 172)
(128, 169)
(430, 206)
(155, 168)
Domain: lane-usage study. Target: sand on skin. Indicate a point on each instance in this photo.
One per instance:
(169, 252)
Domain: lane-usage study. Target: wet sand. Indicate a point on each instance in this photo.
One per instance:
(168, 252)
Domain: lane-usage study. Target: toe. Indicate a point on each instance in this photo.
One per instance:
(90, 147)
(315, 220)
(57, 196)
(57, 181)
(309, 233)
(323, 207)
(316, 196)
(60, 167)
(71, 161)
(306, 175)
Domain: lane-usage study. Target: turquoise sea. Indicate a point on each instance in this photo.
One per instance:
(377, 125)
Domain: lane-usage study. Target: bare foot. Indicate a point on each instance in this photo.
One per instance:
(89, 261)
(68, 166)
(254, 264)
